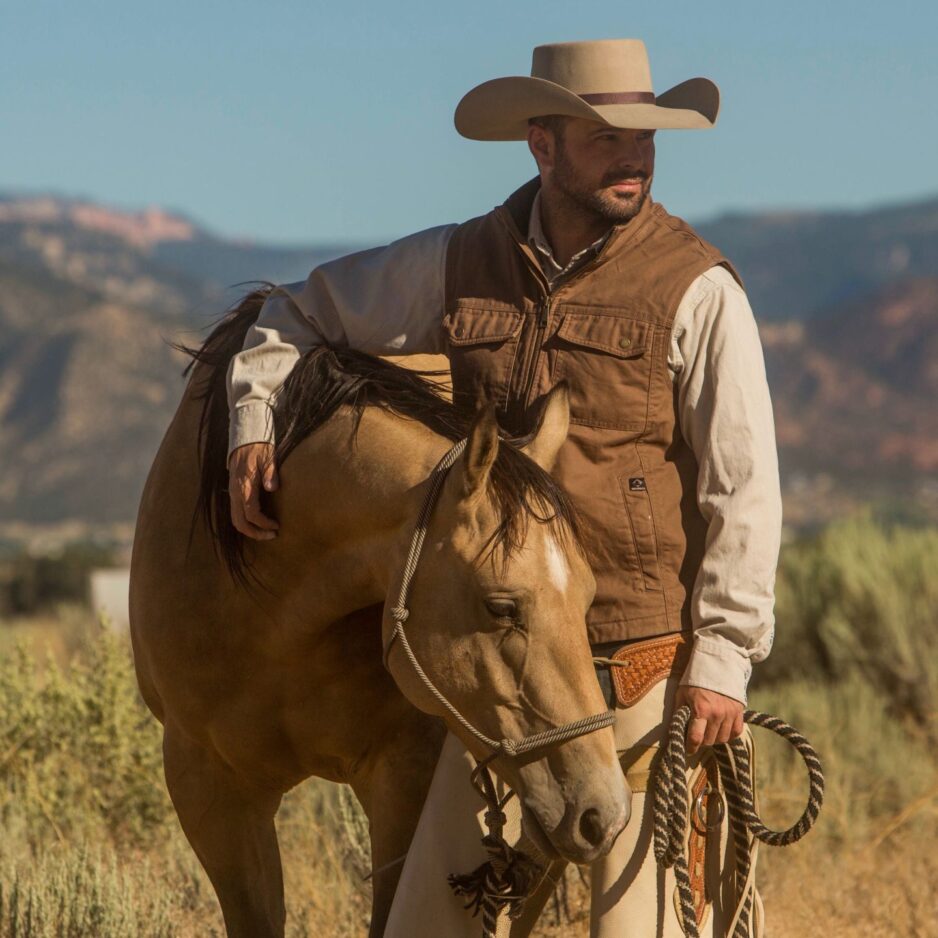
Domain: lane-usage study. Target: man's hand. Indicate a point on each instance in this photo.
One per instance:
(714, 718)
(249, 467)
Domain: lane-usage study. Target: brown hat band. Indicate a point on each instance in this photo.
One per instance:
(620, 97)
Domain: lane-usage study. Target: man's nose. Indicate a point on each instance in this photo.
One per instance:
(630, 153)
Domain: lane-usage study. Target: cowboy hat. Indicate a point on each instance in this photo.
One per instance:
(606, 80)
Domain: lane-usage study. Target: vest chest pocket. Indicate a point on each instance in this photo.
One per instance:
(482, 345)
(606, 361)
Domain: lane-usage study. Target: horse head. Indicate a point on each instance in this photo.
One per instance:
(498, 625)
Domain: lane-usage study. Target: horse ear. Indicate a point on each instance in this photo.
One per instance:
(552, 429)
(481, 450)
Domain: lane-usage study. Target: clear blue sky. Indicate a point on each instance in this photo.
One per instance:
(307, 121)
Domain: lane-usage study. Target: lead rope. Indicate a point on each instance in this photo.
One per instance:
(509, 876)
(671, 810)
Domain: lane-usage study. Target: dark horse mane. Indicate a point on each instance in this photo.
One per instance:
(325, 379)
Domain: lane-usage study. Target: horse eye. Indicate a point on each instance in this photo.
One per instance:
(502, 608)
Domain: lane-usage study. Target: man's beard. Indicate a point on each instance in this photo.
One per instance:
(611, 208)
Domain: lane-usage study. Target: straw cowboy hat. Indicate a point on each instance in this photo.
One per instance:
(606, 80)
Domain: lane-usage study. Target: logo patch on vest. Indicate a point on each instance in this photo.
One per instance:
(637, 485)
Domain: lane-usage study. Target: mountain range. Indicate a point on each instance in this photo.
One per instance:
(91, 296)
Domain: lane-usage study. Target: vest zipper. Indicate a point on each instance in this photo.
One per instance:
(543, 318)
(521, 403)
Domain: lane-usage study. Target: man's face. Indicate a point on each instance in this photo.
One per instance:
(602, 170)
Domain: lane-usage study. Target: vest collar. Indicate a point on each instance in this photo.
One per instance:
(515, 214)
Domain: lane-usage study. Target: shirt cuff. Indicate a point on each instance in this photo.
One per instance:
(250, 423)
(720, 667)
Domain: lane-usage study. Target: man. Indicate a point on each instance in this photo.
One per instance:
(671, 458)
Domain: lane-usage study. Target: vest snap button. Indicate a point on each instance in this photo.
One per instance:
(625, 343)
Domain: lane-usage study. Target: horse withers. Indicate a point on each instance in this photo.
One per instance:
(263, 660)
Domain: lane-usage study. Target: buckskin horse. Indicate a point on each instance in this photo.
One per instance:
(263, 661)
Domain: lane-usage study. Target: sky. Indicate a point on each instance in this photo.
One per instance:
(312, 122)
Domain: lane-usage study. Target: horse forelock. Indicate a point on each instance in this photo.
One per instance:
(321, 382)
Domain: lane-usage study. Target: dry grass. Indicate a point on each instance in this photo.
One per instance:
(89, 846)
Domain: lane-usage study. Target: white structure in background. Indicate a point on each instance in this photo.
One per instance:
(110, 596)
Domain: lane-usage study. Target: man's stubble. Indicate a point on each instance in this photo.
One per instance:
(604, 206)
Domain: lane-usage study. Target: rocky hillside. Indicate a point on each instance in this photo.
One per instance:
(90, 298)
(805, 265)
(855, 390)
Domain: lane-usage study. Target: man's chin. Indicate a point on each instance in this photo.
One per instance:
(620, 207)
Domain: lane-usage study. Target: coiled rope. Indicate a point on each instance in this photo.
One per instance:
(671, 810)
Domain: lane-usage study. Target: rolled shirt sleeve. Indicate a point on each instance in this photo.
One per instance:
(385, 301)
(725, 414)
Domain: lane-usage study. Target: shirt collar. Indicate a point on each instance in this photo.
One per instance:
(545, 254)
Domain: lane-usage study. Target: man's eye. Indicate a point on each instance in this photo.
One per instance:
(502, 608)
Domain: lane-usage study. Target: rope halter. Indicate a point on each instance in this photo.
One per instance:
(400, 613)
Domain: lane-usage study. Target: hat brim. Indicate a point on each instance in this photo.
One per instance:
(501, 108)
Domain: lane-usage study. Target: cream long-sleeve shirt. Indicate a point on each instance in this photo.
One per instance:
(389, 301)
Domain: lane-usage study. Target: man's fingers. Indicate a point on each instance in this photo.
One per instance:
(271, 479)
(695, 733)
(713, 729)
(241, 523)
(725, 730)
(253, 513)
(251, 467)
(251, 497)
(738, 724)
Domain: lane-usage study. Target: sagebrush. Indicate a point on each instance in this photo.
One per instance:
(90, 845)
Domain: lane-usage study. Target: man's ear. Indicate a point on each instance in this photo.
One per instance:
(540, 143)
(481, 450)
(552, 428)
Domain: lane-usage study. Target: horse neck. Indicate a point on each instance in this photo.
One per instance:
(360, 494)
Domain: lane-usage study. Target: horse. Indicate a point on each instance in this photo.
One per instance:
(264, 660)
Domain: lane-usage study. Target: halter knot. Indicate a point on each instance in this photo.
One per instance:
(509, 747)
(495, 819)
(400, 613)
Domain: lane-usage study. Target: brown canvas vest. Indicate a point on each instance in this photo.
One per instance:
(605, 330)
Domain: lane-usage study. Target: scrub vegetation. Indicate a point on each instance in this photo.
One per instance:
(89, 844)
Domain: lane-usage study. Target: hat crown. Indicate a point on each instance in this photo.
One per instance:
(601, 65)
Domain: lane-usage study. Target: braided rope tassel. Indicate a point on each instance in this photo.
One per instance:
(507, 878)
(671, 809)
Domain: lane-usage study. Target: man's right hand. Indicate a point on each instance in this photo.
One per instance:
(250, 467)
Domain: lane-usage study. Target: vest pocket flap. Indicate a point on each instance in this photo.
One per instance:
(470, 326)
(615, 335)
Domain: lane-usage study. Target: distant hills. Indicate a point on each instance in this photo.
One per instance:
(805, 265)
(89, 296)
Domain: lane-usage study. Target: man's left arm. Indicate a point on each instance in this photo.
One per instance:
(725, 414)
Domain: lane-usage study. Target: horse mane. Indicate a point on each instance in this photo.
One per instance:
(321, 382)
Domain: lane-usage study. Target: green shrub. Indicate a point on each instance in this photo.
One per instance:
(80, 758)
(861, 600)
(79, 751)
(74, 894)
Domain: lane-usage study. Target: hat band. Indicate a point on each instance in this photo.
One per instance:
(620, 97)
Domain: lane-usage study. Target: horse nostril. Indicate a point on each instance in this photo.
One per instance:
(591, 828)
